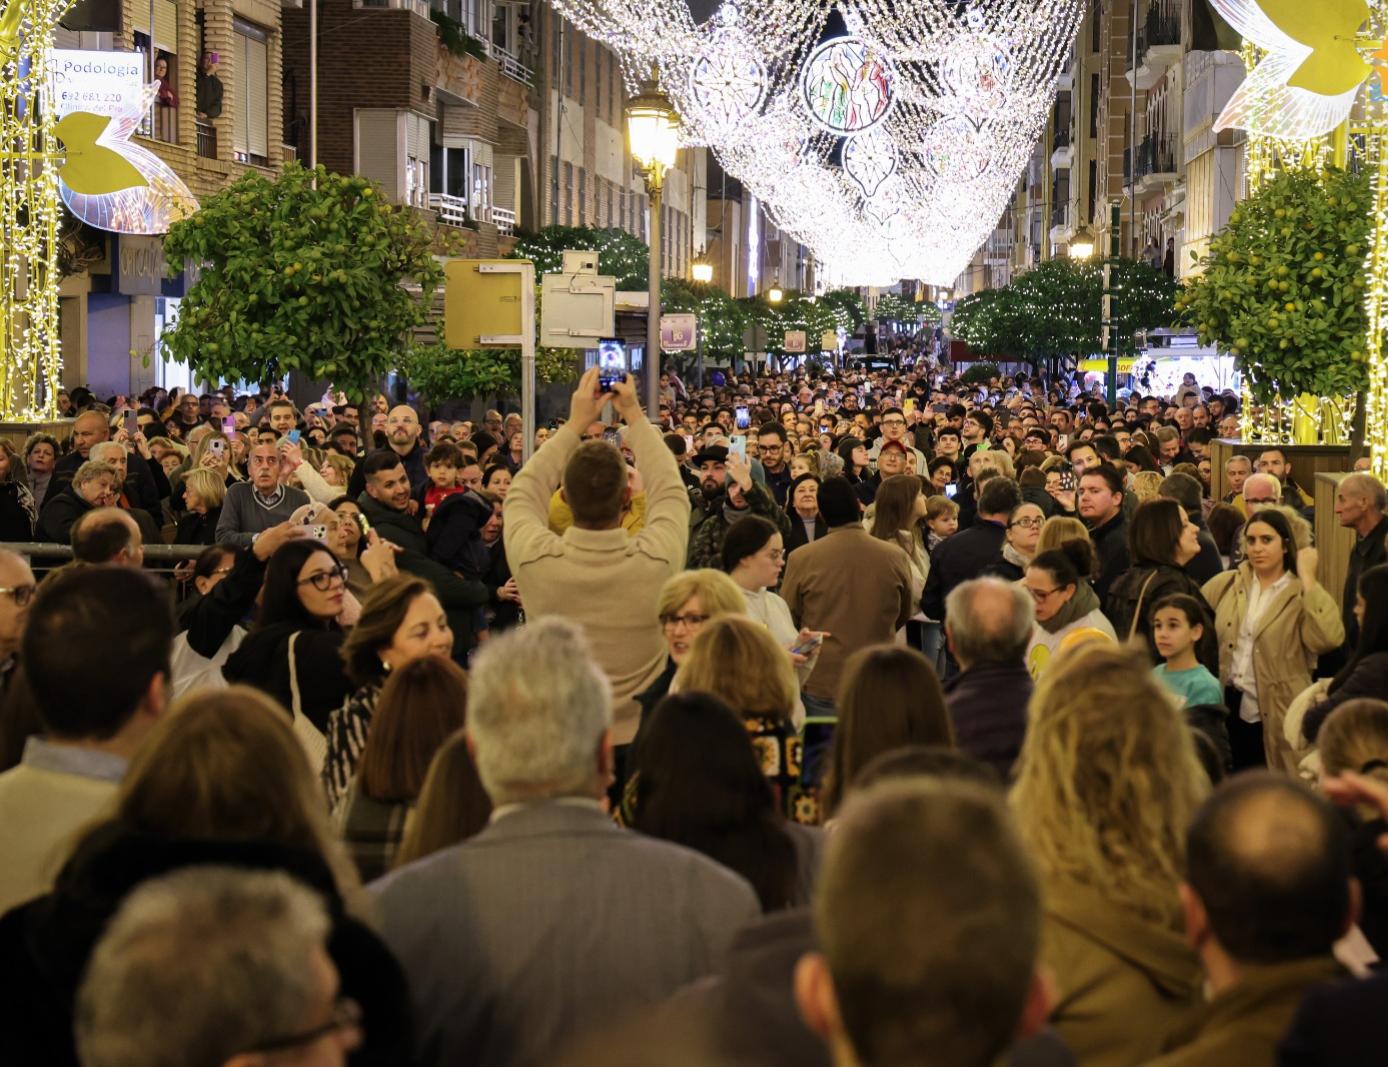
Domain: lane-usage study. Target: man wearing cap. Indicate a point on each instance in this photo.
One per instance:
(726, 493)
(894, 428)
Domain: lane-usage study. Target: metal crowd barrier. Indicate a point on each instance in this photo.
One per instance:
(45, 556)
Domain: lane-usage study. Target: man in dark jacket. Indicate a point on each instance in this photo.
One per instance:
(1360, 503)
(727, 493)
(1100, 499)
(964, 555)
(403, 438)
(988, 623)
(142, 488)
(386, 505)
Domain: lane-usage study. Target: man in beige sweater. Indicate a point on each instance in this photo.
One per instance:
(596, 574)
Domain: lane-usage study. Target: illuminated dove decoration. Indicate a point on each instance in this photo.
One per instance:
(146, 198)
(1306, 84)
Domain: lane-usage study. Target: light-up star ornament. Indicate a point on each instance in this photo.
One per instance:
(1307, 83)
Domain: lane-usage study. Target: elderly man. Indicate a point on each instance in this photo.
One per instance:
(143, 487)
(988, 625)
(1360, 503)
(117, 458)
(108, 535)
(1236, 472)
(253, 506)
(260, 988)
(552, 921)
(17, 588)
(93, 486)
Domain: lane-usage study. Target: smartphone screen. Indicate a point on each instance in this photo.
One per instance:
(229, 425)
(743, 419)
(292, 437)
(738, 447)
(908, 406)
(132, 423)
(951, 489)
(612, 362)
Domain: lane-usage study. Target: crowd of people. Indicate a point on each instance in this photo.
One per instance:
(852, 718)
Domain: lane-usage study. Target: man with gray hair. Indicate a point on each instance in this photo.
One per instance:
(260, 985)
(988, 624)
(552, 921)
(1360, 503)
(117, 458)
(108, 535)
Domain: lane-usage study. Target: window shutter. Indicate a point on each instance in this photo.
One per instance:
(257, 98)
(165, 25)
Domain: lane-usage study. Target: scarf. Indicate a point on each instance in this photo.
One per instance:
(1013, 556)
(1077, 607)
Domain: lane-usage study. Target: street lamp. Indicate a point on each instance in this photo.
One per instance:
(1082, 244)
(701, 270)
(653, 137)
(774, 294)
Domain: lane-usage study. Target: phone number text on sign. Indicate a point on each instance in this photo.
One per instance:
(104, 83)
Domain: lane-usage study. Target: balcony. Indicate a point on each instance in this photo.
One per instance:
(1062, 229)
(419, 7)
(1062, 152)
(1158, 46)
(1065, 80)
(207, 140)
(510, 66)
(1157, 166)
(505, 220)
(450, 210)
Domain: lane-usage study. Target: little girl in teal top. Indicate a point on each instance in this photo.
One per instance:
(1178, 623)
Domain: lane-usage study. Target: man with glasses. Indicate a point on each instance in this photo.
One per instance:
(252, 507)
(278, 1001)
(773, 451)
(16, 594)
(894, 428)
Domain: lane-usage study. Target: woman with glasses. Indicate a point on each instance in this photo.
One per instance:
(294, 651)
(1023, 533)
(401, 620)
(686, 602)
(1058, 581)
(221, 780)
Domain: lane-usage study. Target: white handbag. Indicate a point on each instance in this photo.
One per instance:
(315, 744)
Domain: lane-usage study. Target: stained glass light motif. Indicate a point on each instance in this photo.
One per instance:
(848, 85)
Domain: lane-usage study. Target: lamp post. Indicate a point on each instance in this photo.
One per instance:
(653, 137)
(1082, 244)
(774, 294)
(701, 270)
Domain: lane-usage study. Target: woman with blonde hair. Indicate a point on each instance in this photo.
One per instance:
(738, 661)
(452, 804)
(1146, 485)
(220, 780)
(1058, 529)
(1108, 780)
(204, 489)
(686, 602)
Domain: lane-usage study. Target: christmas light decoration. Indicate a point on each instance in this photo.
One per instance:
(889, 151)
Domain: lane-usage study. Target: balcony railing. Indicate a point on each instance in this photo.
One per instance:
(451, 210)
(1156, 155)
(511, 66)
(1162, 27)
(1060, 215)
(419, 7)
(1061, 138)
(505, 220)
(207, 140)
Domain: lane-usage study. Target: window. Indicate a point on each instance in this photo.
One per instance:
(568, 194)
(554, 190)
(1094, 105)
(582, 196)
(251, 121)
(582, 58)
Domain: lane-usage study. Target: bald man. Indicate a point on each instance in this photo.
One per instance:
(1269, 890)
(402, 431)
(108, 535)
(1360, 503)
(17, 581)
(145, 483)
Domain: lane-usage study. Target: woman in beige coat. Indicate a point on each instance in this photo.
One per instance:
(1107, 783)
(1272, 619)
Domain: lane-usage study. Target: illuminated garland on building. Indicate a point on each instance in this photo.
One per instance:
(30, 206)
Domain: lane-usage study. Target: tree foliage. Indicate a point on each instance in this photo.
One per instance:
(850, 303)
(894, 307)
(1282, 286)
(297, 278)
(1056, 310)
(620, 255)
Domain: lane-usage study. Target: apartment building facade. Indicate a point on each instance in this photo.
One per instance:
(113, 308)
